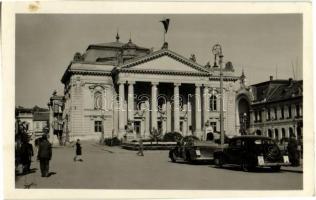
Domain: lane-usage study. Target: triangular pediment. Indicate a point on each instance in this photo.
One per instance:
(164, 61)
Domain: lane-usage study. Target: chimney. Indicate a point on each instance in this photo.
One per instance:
(271, 78)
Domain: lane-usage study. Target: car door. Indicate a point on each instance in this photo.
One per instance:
(234, 151)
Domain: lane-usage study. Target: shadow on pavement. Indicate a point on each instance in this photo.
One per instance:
(292, 170)
(256, 170)
(51, 173)
(33, 170)
(190, 163)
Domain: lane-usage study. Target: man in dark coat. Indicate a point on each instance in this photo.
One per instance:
(140, 146)
(293, 151)
(26, 155)
(78, 151)
(44, 155)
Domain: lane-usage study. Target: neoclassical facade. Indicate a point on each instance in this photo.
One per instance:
(115, 86)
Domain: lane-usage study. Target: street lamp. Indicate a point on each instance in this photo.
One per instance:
(217, 52)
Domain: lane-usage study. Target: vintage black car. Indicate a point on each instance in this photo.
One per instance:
(250, 152)
(191, 149)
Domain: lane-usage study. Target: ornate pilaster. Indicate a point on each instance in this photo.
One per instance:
(176, 107)
(197, 110)
(121, 109)
(131, 101)
(154, 105)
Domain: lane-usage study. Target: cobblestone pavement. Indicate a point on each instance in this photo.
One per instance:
(115, 168)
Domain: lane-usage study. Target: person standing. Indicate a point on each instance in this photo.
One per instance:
(140, 146)
(78, 151)
(44, 155)
(26, 155)
(292, 148)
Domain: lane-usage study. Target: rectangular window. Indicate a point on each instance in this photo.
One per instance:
(256, 116)
(297, 110)
(290, 111)
(282, 112)
(259, 116)
(269, 114)
(181, 126)
(97, 126)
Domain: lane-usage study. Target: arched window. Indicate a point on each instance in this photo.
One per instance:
(269, 133)
(213, 103)
(276, 134)
(283, 133)
(98, 100)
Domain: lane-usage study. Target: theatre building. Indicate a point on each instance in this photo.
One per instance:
(114, 87)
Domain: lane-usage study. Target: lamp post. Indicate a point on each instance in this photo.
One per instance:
(217, 52)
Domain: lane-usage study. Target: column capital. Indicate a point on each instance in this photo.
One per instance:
(176, 84)
(155, 83)
(205, 85)
(198, 85)
(121, 82)
(131, 82)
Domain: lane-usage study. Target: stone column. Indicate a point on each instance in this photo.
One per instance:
(121, 109)
(169, 115)
(197, 110)
(164, 119)
(154, 105)
(206, 104)
(176, 107)
(131, 101)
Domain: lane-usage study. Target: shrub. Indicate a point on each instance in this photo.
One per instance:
(112, 141)
(172, 137)
(190, 137)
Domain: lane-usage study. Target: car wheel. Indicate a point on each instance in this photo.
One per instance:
(218, 161)
(276, 168)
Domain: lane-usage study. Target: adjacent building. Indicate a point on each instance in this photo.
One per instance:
(36, 120)
(56, 122)
(276, 110)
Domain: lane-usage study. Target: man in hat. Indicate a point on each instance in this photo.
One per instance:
(292, 149)
(44, 155)
(26, 154)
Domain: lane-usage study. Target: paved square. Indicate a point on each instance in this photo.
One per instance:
(115, 168)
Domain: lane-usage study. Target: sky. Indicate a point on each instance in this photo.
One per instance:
(260, 44)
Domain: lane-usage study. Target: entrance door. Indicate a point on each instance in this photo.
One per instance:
(137, 128)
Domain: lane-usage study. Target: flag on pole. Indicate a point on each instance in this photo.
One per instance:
(165, 23)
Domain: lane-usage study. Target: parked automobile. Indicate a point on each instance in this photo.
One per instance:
(191, 149)
(250, 152)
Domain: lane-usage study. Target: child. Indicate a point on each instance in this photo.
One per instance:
(78, 151)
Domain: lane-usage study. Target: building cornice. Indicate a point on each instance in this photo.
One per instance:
(141, 71)
(160, 53)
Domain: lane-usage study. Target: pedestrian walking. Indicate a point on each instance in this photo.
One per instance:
(26, 155)
(44, 155)
(78, 151)
(140, 146)
(293, 151)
